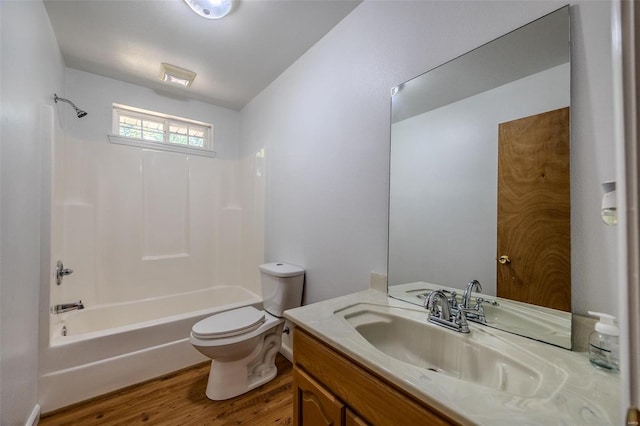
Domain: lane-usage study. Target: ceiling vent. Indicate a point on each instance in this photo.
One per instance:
(176, 75)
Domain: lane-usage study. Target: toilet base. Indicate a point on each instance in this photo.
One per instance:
(228, 379)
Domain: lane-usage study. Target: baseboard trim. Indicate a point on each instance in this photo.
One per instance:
(286, 351)
(34, 418)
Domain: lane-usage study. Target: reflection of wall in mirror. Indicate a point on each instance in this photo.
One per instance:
(443, 182)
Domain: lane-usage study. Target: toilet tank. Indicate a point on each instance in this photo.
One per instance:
(281, 287)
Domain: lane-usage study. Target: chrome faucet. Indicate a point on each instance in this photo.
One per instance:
(66, 307)
(431, 303)
(453, 296)
(475, 313)
(473, 285)
(440, 312)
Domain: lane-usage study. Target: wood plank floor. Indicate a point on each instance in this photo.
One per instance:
(179, 399)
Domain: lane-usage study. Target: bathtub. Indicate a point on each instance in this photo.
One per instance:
(112, 346)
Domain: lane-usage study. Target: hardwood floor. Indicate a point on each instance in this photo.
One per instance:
(179, 399)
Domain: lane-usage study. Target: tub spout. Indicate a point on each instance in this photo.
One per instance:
(66, 307)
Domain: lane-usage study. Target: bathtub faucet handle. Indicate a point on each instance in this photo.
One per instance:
(61, 272)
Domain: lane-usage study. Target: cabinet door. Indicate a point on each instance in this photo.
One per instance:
(313, 405)
(370, 396)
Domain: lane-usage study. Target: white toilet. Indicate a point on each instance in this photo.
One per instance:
(243, 342)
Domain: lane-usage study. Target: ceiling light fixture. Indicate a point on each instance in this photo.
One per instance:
(211, 9)
(172, 74)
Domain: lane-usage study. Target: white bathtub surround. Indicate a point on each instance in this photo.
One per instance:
(138, 223)
(146, 224)
(571, 391)
(103, 353)
(157, 240)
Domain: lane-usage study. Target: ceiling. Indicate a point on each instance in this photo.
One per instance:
(235, 58)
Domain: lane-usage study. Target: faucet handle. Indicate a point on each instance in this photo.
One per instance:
(453, 299)
(61, 272)
(479, 306)
(480, 301)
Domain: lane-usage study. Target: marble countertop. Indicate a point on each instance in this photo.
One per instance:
(586, 395)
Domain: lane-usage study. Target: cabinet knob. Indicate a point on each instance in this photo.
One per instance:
(504, 259)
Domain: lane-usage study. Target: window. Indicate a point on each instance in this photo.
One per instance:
(148, 129)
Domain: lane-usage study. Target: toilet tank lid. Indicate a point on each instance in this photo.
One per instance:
(279, 269)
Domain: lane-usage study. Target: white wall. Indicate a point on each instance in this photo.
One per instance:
(324, 125)
(96, 94)
(137, 223)
(32, 70)
(444, 174)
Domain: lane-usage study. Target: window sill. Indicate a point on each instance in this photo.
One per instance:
(141, 143)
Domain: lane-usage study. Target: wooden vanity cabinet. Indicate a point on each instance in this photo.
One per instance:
(313, 404)
(331, 389)
(352, 419)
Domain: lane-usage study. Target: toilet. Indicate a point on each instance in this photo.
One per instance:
(242, 343)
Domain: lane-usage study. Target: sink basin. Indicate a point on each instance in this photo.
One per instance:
(478, 358)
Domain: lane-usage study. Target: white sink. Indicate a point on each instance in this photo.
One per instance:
(479, 357)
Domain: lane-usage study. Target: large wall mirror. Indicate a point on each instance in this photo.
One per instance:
(480, 181)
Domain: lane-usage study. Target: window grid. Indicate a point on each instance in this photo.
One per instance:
(162, 130)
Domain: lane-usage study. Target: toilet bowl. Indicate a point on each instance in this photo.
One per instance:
(243, 343)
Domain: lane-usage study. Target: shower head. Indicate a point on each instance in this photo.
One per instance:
(80, 113)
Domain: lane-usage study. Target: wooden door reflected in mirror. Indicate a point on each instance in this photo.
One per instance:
(534, 228)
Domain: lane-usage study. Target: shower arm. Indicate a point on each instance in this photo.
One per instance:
(80, 113)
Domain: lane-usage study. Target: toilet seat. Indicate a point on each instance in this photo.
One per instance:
(230, 323)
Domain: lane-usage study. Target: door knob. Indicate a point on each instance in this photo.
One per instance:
(504, 259)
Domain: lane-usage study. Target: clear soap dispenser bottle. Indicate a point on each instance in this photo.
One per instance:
(603, 343)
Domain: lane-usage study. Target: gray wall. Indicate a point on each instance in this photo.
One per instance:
(324, 125)
(32, 70)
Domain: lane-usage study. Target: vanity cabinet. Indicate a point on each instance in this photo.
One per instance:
(331, 389)
(315, 405)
